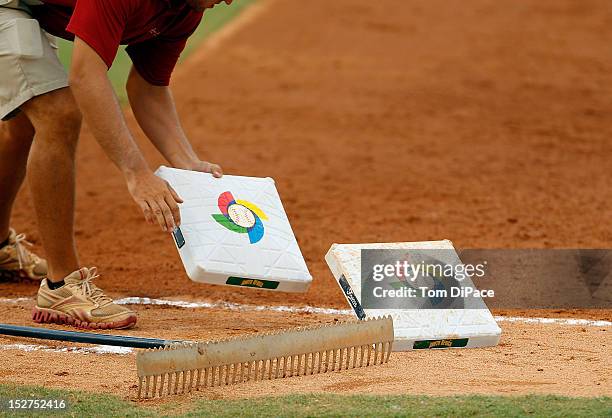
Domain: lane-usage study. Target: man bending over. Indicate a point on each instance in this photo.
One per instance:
(155, 32)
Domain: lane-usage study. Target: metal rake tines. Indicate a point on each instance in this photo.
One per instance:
(185, 381)
(182, 368)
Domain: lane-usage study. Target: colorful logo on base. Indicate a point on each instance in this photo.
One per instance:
(240, 216)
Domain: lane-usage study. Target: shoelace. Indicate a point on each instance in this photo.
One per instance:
(23, 255)
(91, 290)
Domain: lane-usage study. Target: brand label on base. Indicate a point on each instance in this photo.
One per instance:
(446, 343)
(246, 282)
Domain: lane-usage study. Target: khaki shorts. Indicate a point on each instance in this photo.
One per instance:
(29, 65)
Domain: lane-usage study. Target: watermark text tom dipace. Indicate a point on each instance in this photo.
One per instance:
(501, 278)
(420, 279)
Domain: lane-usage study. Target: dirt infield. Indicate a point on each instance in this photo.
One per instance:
(483, 122)
(565, 360)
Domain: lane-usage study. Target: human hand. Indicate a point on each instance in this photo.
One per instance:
(156, 198)
(204, 167)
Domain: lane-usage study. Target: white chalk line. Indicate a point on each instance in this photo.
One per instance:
(333, 311)
(231, 306)
(557, 321)
(310, 309)
(14, 301)
(96, 349)
(103, 349)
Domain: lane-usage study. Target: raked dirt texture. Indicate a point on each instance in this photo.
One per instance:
(484, 122)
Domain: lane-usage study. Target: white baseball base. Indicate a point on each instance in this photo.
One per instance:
(415, 328)
(234, 231)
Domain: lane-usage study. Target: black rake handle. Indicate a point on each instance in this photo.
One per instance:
(83, 337)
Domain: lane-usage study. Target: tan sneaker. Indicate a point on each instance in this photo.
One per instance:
(80, 303)
(17, 261)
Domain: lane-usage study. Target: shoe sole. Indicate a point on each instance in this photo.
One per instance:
(50, 316)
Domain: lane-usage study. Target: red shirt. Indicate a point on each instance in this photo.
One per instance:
(155, 31)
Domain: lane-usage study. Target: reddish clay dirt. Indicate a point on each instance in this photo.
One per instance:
(558, 359)
(483, 122)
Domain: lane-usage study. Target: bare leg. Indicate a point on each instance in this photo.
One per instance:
(15, 140)
(51, 166)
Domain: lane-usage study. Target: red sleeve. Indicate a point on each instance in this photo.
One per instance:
(155, 59)
(100, 23)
